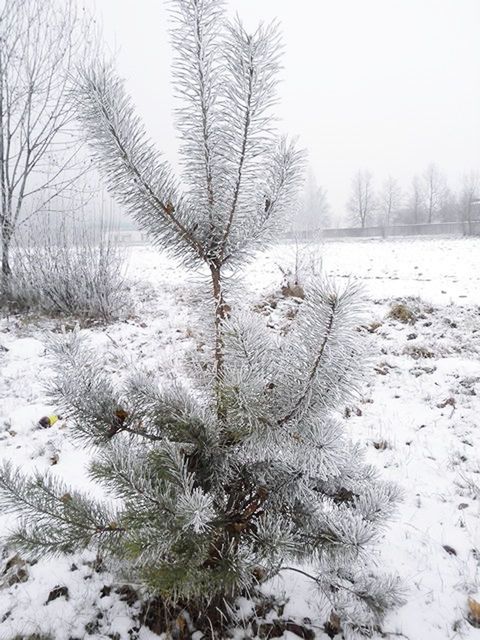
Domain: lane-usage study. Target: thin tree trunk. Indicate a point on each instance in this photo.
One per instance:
(6, 266)
(469, 217)
(220, 315)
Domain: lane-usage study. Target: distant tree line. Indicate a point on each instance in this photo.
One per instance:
(428, 199)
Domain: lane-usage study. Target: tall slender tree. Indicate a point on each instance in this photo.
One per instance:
(390, 201)
(362, 203)
(435, 191)
(469, 196)
(224, 482)
(314, 211)
(416, 199)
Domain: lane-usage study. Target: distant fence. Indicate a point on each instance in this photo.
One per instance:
(399, 230)
(131, 237)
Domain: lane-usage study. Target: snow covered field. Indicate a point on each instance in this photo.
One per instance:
(418, 420)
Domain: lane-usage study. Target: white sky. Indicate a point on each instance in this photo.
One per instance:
(388, 85)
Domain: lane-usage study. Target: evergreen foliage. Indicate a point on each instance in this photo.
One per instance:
(218, 485)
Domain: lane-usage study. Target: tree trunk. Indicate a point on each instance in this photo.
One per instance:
(469, 217)
(6, 267)
(221, 312)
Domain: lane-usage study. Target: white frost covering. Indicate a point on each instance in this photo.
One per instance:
(418, 423)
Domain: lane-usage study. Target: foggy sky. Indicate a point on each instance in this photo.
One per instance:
(386, 85)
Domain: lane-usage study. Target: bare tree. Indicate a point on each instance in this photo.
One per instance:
(416, 199)
(450, 208)
(469, 195)
(39, 40)
(314, 213)
(435, 191)
(390, 200)
(362, 202)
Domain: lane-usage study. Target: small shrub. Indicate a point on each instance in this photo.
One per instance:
(292, 290)
(402, 313)
(373, 326)
(69, 270)
(304, 265)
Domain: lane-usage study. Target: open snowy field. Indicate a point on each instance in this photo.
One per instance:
(418, 420)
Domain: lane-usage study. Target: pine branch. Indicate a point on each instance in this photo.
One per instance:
(332, 303)
(54, 517)
(252, 65)
(277, 196)
(325, 350)
(83, 391)
(131, 164)
(196, 39)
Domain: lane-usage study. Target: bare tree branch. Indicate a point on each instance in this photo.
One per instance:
(39, 146)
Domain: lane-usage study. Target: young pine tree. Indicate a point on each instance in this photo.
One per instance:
(220, 485)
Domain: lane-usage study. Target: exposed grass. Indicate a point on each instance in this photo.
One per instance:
(402, 313)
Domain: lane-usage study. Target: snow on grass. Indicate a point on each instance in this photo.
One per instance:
(418, 421)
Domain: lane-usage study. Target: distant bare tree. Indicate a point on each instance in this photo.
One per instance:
(416, 199)
(435, 191)
(450, 207)
(362, 202)
(38, 148)
(469, 194)
(390, 200)
(314, 212)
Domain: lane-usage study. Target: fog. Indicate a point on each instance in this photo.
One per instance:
(384, 85)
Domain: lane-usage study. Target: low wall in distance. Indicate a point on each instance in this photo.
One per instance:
(399, 230)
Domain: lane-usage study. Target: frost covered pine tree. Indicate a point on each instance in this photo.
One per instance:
(220, 484)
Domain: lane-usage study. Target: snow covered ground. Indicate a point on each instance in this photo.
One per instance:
(418, 420)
